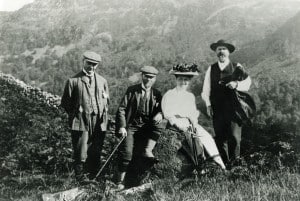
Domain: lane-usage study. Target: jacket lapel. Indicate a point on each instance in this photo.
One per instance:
(98, 85)
(86, 81)
(138, 94)
(151, 101)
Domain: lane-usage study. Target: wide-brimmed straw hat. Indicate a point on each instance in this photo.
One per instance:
(185, 69)
(222, 42)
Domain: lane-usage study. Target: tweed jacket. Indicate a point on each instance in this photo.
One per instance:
(129, 105)
(76, 101)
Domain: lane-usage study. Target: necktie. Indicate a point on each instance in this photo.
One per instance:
(144, 103)
(91, 79)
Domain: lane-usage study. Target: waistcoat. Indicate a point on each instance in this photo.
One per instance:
(93, 104)
(220, 95)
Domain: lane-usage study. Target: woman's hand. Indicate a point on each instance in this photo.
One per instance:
(182, 124)
(181, 127)
(158, 118)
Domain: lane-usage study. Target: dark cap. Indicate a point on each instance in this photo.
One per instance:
(149, 70)
(92, 57)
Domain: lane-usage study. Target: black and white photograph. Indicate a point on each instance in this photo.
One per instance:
(149, 100)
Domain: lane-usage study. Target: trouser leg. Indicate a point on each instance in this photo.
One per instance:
(234, 141)
(94, 152)
(95, 145)
(126, 150)
(125, 156)
(80, 147)
(152, 132)
(221, 138)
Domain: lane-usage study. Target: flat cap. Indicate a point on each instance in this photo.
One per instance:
(149, 70)
(92, 56)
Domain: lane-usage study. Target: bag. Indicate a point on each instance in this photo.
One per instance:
(243, 103)
(244, 107)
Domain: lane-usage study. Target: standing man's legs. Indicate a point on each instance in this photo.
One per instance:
(221, 138)
(80, 147)
(87, 147)
(95, 144)
(234, 141)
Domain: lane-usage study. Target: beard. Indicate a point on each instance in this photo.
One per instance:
(222, 57)
(90, 73)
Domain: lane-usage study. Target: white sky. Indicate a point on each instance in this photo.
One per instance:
(11, 5)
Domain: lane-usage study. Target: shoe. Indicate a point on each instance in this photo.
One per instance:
(82, 179)
(120, 178)
(120, 187)
(153, 160)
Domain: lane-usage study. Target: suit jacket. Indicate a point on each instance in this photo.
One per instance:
(76, 101)
(129, 105)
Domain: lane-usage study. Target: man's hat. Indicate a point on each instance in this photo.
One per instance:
(92, 57)
(222, 42)
(185, 69)
(149, 70)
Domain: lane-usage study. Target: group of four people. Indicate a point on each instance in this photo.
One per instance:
(142, 109)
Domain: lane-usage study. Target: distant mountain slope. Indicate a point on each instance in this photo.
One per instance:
(42, 43)
(278, 55)
(152, 30)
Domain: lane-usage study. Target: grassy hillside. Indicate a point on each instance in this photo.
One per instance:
(36, 157)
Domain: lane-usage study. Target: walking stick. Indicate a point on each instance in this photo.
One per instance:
(109, 157)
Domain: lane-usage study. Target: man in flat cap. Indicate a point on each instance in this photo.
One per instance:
(86, 99)
(218, 87)
(138, 119)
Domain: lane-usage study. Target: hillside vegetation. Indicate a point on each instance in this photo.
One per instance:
(42, 43)
(36, 155)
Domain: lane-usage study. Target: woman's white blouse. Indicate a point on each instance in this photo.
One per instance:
(179, 102)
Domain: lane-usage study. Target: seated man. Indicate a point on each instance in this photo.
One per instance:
(138, 118)
(179, 108)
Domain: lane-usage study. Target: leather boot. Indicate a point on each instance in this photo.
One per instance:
(80, 174)
(120, 181)
(149, 147)
(148, 151)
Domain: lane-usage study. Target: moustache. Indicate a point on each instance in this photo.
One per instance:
(220, 54)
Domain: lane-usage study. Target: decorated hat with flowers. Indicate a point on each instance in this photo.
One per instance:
(185, 69)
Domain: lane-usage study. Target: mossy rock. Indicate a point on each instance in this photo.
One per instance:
(173, 160)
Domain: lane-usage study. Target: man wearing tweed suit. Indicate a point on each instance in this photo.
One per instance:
(86, 99)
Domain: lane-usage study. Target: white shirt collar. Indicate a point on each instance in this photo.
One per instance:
(84, 71)
(224, 64)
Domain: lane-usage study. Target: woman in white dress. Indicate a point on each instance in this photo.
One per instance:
(179, 108)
